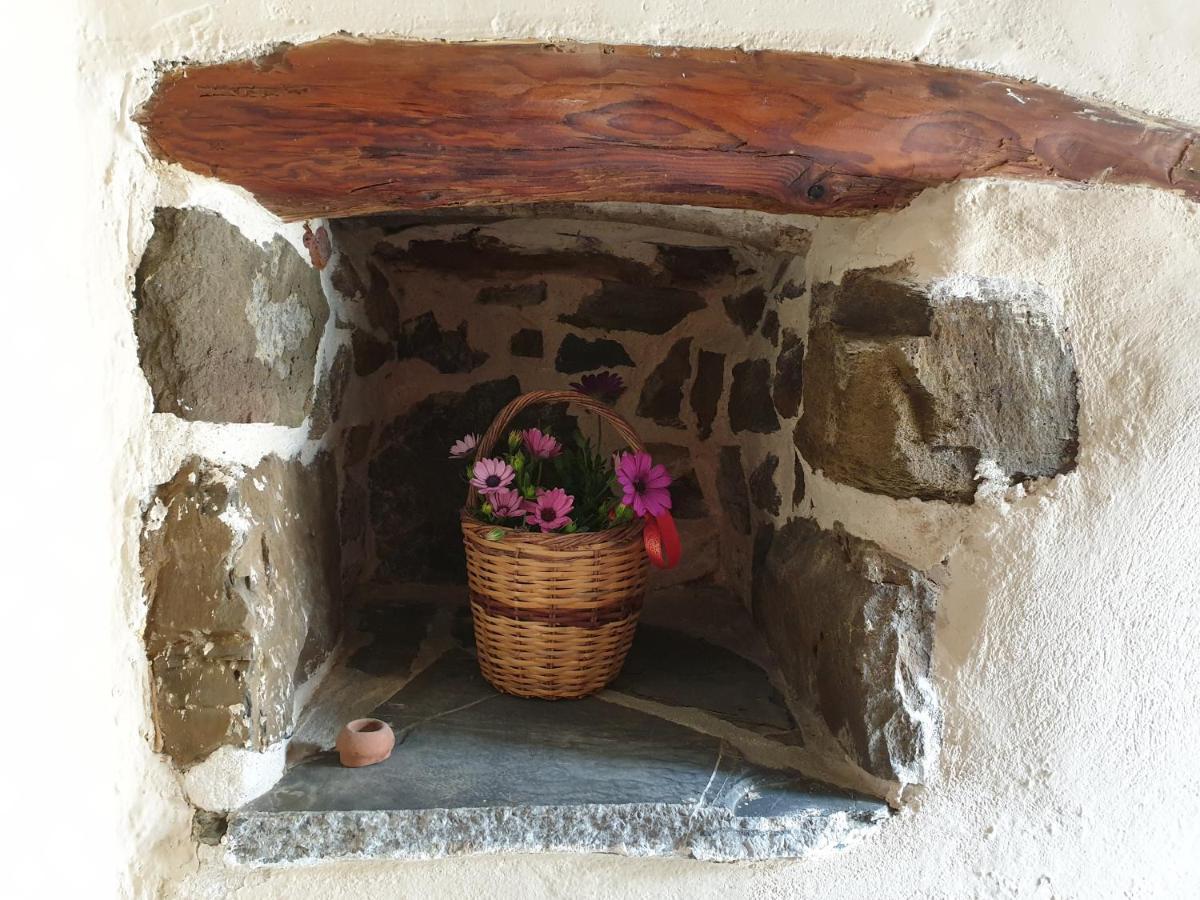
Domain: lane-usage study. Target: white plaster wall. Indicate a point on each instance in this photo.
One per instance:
(1067, 644)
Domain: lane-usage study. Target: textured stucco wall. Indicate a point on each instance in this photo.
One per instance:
(1067, 634)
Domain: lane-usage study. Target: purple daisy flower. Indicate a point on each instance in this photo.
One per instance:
(644, 484)
(491, 475)
(606, 386)
(507, 503)
(464, 446)
(549, 511)
(540, 446)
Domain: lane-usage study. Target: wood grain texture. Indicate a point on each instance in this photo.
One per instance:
(347, 126)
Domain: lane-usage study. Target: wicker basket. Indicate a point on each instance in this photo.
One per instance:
(554, 614)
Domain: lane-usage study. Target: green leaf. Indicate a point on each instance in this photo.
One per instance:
(493, 534)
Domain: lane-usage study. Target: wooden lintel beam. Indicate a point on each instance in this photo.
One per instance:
(347, 126)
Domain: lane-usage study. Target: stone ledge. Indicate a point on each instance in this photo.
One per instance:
(634, 829)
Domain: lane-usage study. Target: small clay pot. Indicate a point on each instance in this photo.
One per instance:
(365, 742)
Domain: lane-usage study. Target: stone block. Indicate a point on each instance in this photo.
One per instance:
(852, 629)
(620, 306)
(750, 407)
(662, 392)
(706, 391)
(446, 349)
(227, 329)
(906, 390)
(241, 575)
(576, 354)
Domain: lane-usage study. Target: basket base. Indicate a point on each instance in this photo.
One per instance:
(548, 661)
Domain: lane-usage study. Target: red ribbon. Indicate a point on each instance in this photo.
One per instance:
(662, 540)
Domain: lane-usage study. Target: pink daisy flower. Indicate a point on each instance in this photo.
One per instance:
(491, 475)
(549, 511)
(540, 446)
(606, 386)
(644, 484)
(464, 446)
(507, 503)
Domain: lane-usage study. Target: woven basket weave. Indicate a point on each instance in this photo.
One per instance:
(554, 614)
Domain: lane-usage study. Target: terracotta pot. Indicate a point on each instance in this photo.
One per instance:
(365, 742)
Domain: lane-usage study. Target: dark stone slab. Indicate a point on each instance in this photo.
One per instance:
(745, 310)
(662, 392)
(477, 771)
(697, 265)
(706, 391)
(852, 628)
(669, 667)
(446, 349)
(415, 520)
(750, 407)
(227, 330)
(763, 489)
(620, 306)
(527, 342)
(576, 354)
(395, 631)
(518, 295)
(788, 386)
(731, 488)
(370, 353)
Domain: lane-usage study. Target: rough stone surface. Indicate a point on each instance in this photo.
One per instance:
(576, 354)
(241, 575)
(227, 329)
(619, 306)
(763, 490)
(527, 342)
(662, 393)
(706, 391)
(446, 349)
(788, 386)
(518, 295)
(415, 520)
(731, 488)
(331, 387)
(750, 407)
(745, 309)
(852, 628)
(908, 390)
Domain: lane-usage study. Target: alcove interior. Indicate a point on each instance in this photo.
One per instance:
(778, 694)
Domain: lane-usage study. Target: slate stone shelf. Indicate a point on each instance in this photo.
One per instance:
(475, 771)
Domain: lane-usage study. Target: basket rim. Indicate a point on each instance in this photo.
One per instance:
(578, 540)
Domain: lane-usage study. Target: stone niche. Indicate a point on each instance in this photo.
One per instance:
(742, 374)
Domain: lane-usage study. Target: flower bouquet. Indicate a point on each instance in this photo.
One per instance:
(558, 538)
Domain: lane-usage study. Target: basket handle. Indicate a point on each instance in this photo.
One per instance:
(504, 418)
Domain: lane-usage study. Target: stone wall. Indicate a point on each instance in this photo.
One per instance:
(451, 319)
(240, 563)
(742, 371)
